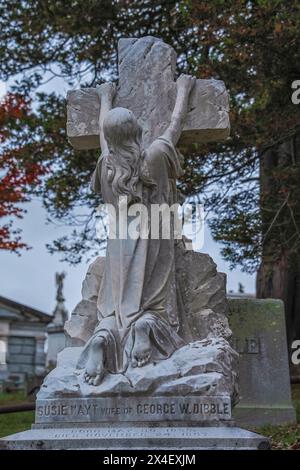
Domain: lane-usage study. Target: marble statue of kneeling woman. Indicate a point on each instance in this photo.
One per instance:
(135, 326)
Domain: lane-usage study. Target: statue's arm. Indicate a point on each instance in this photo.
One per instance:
(185, 84)
(106, 93)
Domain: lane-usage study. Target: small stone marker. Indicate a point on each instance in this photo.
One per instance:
(259, 335)
(147, 87)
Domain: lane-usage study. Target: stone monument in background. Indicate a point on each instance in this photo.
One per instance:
(55, 329)
(148, 363)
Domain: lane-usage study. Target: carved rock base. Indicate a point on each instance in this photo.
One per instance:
(201, 368)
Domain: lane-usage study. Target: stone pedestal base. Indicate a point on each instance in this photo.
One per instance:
(137, 438)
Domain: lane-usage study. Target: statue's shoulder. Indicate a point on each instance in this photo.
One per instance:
(162, 152)
(155, 156)
(157, 149)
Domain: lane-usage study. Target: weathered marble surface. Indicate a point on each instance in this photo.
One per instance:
(84, 317)
(113, 438)
(147, 87)
(202, 301)
(202, 296)
(204, 367)
(135, 409)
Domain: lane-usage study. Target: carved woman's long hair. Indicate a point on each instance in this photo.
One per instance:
(126, 160)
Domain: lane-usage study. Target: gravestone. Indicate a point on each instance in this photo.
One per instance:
(259, 336)
(177, 382)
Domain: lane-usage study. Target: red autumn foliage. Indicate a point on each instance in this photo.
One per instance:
(16, 177)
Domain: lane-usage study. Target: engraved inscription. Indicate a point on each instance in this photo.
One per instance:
(133, 409)
(250, 345)
(86, 433)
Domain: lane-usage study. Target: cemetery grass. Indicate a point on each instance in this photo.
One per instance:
(11, 423)
(282, 437)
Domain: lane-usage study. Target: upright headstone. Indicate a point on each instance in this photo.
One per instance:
(259, 336)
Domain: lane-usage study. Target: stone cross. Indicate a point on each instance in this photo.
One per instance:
(147, 87)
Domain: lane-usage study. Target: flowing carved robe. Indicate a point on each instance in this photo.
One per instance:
(139, 276)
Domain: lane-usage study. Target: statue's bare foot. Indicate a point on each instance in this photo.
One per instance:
(94, 371)
(141, 352)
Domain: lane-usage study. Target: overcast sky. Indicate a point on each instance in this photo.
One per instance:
(30, 278)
